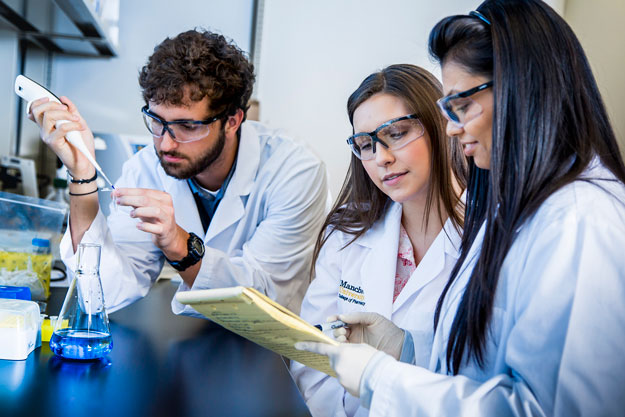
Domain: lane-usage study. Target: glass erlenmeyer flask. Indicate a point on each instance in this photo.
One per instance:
(82, 329)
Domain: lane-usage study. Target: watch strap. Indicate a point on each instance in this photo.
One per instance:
(192, 257)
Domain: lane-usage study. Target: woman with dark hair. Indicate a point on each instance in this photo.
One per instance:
(532, 320)
(392, 237)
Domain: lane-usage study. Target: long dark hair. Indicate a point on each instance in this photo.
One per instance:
(549, 122)
(360, 202)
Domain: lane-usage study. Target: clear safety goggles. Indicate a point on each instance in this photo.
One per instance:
(393, 135)
(181, 131)
(460, 108)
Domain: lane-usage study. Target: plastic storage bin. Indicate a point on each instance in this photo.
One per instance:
(30, 231)
(20, 324)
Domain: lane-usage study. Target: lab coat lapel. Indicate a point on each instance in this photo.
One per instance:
(450, 304)
(431, 265)
(231, 209)
(378, 269)
(184, 204)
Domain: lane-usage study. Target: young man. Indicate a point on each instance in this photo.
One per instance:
(226, 203)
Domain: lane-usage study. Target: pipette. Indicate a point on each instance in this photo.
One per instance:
(30, 91)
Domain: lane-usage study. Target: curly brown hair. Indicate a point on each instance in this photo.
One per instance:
(202, 63)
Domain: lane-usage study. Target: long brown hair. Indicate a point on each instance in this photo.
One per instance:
(360, 202)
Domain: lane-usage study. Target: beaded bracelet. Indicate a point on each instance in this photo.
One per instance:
(83, 181)
(79, 194)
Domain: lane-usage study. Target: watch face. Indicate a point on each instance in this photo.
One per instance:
(198, 246)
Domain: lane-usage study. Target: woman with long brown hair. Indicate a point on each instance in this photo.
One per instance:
(392, 237)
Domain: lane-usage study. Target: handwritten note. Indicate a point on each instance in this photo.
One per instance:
(256, 317)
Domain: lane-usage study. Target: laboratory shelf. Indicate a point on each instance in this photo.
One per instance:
(89, 24)
(92, 30)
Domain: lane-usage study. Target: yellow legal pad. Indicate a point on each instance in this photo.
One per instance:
(256, 317)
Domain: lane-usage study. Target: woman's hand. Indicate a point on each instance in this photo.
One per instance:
(372, 329)
(348, 361)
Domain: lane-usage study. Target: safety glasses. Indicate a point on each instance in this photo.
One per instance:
(181, 131)
(393, 135)
(460, 108)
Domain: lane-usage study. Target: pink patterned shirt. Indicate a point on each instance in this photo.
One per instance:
(406, 264)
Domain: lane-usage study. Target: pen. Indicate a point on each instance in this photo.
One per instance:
(330, 326)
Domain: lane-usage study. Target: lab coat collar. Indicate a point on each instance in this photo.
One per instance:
(231, 208)
(248, 160)
(372, 237)
(442, 250)
(451, 302)
(452, 239)
(182, 198)
(378, 270)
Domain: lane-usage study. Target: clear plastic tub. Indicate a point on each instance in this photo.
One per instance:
(20, 325)
(30, 231)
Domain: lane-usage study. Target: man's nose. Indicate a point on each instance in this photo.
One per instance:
(167, 142)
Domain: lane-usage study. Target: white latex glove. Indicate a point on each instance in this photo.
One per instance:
(372, 329)
(348, 361)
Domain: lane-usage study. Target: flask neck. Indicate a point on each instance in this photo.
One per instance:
(87, 271)
(88, 258)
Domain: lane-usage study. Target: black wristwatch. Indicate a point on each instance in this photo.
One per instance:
(195, 248)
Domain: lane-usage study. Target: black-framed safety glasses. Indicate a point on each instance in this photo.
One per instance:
(181, 131)
(460, 108)
(393, 135)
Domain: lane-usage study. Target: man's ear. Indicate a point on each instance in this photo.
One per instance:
(233, 122)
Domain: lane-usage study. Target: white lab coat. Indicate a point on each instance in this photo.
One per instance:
(261, 235)
(557, 339)
(368, 267)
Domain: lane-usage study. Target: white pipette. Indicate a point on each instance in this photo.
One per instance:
(30, 91)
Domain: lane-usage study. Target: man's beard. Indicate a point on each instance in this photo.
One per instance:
(196, 166)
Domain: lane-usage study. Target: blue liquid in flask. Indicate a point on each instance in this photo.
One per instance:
(81, 344)
(82, 330)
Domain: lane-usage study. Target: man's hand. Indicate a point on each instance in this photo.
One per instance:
(372, 329)
(348, 361)
(155, 209)
(46, 113)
